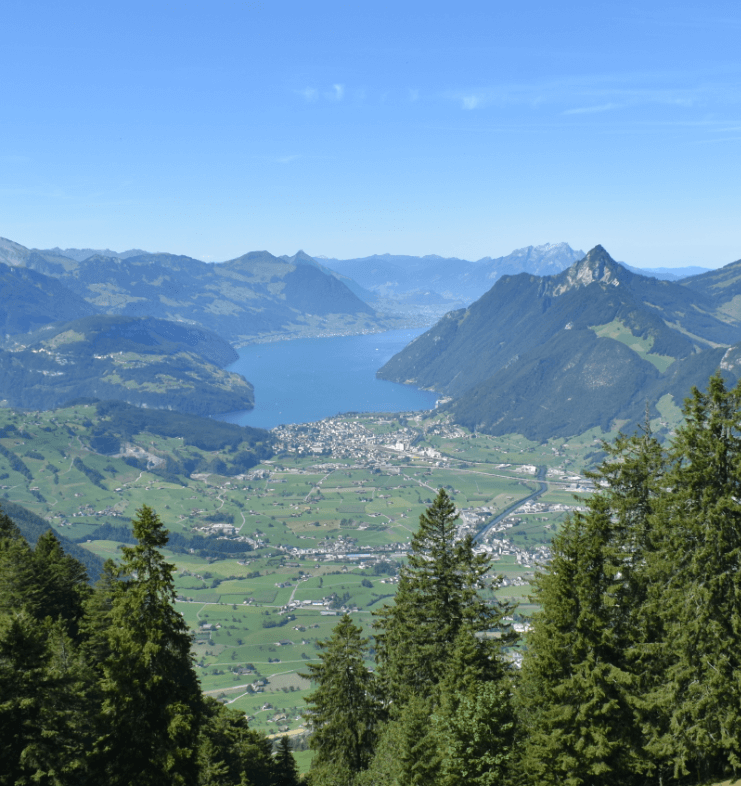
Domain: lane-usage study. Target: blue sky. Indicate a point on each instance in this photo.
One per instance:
(346, 129)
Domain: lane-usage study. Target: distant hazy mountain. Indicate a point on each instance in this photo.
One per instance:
(15, 254)
(668, 273)
(81, 254)
(435, 279)
(29, 300)
(148, 362)
(556, 355)
(257, 295)
(722, 287)
(12, 253)
(301, 258)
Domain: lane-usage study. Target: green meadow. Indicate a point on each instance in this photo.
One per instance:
(322, 534)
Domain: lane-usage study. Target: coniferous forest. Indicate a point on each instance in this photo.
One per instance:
(97, 685)
(629, 675)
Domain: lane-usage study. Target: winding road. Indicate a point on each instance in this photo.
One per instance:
(542, 487)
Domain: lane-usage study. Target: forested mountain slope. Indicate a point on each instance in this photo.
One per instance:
(29, 300)
(556, 355)
(32, 527)
(148, 362)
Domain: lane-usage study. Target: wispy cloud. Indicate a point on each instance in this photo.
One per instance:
(286, 159)
(595, 94)
(719, 139)
(334, 93)
(310, 94)
(413, 95)
(590, 110)
(337, 93)
(473, 101)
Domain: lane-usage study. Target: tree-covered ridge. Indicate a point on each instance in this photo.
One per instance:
(97, 685)
(147, 362)
(123, 421)
(30, 300)
(107, 334)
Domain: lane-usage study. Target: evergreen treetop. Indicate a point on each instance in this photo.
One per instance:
(342, 707)
(151, 697)
(439, 593)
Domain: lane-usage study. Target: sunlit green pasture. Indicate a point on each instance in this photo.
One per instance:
(234, 604)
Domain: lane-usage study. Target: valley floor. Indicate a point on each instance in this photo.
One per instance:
(327, 522)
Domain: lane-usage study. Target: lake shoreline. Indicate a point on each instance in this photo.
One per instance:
(303, 380)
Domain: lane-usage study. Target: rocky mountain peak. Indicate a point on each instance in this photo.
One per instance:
(597, 265)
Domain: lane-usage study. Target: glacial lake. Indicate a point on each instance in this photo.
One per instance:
(309, 379)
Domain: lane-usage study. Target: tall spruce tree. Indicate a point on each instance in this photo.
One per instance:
(19, 580)
(8, 527)
(587, 667)
(695, 597)
(285, 770)
(445, 686)
(97, 616)
(63, 583)
(575, 694)
(230, 752)
(342, 707)
(24, 659)
(148, 724)
(439, 593)
(474, 723)
(46, 705)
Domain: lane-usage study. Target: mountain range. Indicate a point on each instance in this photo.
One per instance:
(155, 329)
(81, 322)
(30, 300)
(454, 282)
(436, 279)
(254, 296)
(556, 355)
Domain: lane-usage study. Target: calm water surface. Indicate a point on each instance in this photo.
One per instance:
(313, 378)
